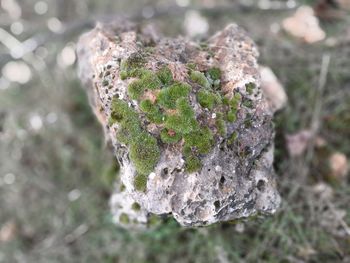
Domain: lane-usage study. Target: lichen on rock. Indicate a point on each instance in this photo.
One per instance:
(191, 127)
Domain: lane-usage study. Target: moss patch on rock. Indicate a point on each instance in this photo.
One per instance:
(136, 206)
(140, 182)
(170, 136)
(132, 66)
(144, 153)
(153, 112)
(124, 219)
(201, 140)
(214, 73)
(232, 138)
(199, 78)
(172, 112)
(250, 88)
(220, 124)
(207, 99)
(184, 120)
(165, 76)
(193, 163)
(144, 150)
(147, 81)
(168, 96)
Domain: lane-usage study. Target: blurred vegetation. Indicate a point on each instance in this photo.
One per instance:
(56, 172)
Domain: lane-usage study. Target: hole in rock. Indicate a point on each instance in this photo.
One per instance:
(261, 185)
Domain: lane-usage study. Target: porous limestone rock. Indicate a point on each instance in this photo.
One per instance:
(191, 128)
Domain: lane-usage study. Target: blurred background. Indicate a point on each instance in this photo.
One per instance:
(56, 173)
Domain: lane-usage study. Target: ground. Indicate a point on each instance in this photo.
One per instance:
(56, 171)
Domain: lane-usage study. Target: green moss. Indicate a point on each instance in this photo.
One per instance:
(136, 206)
(125, 133)
(186, 150)
(122, 112)
(169, 136)
(139, 72)
(233, 137)
(225, 101)
(174, 122)
(216, 84)
(124, 219)
(146, 105)
(117, 39)
(128, 120)
(105, 83)
(193, 164)
(149, 50)
(232, 116)
(123, 75)
(144, 153)
(167, 97)
(122, 188)
(220, 124)
(250, 88)
(184, 122)
(206, 99)
(201, 139)
(204, 46)
(155, 116)
(165, 76)
(200, 79)
(238, 96)
(135, 89)
(184, 108)
(248, 123)
(148, 80)
(214, 73)
(234, 103)
(247, 103)
(180, 125)
(191, 66)
(134, 67)
(154, 220)
(134, 61)
(140, 182)
(152, 111)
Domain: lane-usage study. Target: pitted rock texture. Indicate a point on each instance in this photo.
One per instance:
(235, 178)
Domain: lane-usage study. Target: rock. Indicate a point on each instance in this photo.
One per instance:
(273, 89)
(195, 24)
(8, 231)
(190, 125)
(304, 25)
(339, 166)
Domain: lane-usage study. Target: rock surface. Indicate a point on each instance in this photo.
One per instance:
(234, 177)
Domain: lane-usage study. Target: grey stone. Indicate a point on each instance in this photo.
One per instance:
(236, 181)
